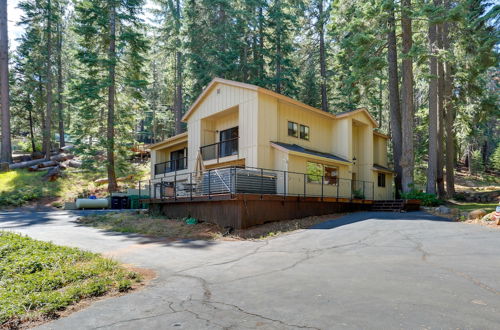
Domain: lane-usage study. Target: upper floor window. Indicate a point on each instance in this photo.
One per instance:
(293, 129)
(381, 180)
(304, 132)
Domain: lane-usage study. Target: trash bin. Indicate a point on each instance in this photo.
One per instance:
(124, 203)
(135, 201)
(116, 202)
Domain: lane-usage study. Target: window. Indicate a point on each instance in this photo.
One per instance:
(293, 129)
(381, 180)
(317, 172)
(331, 175)
(228, 142)
(304, 132)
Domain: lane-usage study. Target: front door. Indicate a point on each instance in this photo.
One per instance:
(228, 142)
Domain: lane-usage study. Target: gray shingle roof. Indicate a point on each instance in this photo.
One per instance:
(297, 148)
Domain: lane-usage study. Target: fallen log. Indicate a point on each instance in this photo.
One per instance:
(26, 164)
(53, 174)
(75, 163)
(66, 148)
(45, 168)
(49, 163)
(61, 157)
(33, 168)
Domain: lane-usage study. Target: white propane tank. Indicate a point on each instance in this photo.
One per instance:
(86, 203)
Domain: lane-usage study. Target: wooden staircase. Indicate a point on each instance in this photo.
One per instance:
(396, 205)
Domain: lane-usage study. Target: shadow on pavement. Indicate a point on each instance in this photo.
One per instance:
(19, 219)
(362, 216)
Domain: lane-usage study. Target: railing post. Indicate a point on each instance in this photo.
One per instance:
(305, 178)
(209, 179)
(261, 182)
(285, 179)
(154, 188)
(322, 182)
(338, 184)
(235, 180)
(161, 188)
(140, 195)
(191, 185)
(364, 190)
(175, 185)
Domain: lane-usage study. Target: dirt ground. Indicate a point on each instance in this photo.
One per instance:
(174, 229)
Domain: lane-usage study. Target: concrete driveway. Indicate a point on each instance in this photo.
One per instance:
(362, 271)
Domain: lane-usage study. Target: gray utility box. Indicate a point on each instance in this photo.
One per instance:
(239, 180)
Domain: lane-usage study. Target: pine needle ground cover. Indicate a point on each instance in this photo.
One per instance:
(39, 279)
(21, 186)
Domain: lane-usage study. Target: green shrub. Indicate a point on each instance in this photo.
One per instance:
(358, 194)
(495, 158)
(476, 160)
(25, 146)
(424, 198)
(459, 197)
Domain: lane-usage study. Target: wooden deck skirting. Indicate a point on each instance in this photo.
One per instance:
(244, 210)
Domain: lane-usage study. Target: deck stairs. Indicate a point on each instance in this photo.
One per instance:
(396, 205)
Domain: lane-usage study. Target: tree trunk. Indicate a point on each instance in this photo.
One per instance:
(261, 44)
(48, 114)
(278, 64)
(110, 150)
(395, 111)
(407, 156)
(178, 95)
(440, 133)
(6, 147)
(449, 116)
(32, 134)
(60, 87)
(433, 112)
(178, 74)
(322, 55)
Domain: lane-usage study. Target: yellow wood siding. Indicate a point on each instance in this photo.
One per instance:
(263, 117)
(241, 107)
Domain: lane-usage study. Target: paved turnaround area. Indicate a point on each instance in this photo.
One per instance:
(362, 271)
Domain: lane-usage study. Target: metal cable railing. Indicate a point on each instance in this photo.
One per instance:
(251, 180)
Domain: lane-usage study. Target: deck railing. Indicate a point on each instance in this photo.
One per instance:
(220, 149)
(250, 180)
(171, 166)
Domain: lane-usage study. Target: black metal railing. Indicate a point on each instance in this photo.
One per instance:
(171, 166)
(220, 149)
(251, 180)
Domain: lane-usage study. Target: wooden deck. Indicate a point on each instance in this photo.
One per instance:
(245, 210)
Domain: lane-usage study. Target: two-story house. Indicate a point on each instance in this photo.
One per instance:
(312, 152)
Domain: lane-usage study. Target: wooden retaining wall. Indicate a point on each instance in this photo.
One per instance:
(245, 210)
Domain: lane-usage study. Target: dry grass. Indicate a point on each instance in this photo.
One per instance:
(155, 226)
(161, 227)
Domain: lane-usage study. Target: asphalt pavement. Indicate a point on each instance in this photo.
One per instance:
(366, 270)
